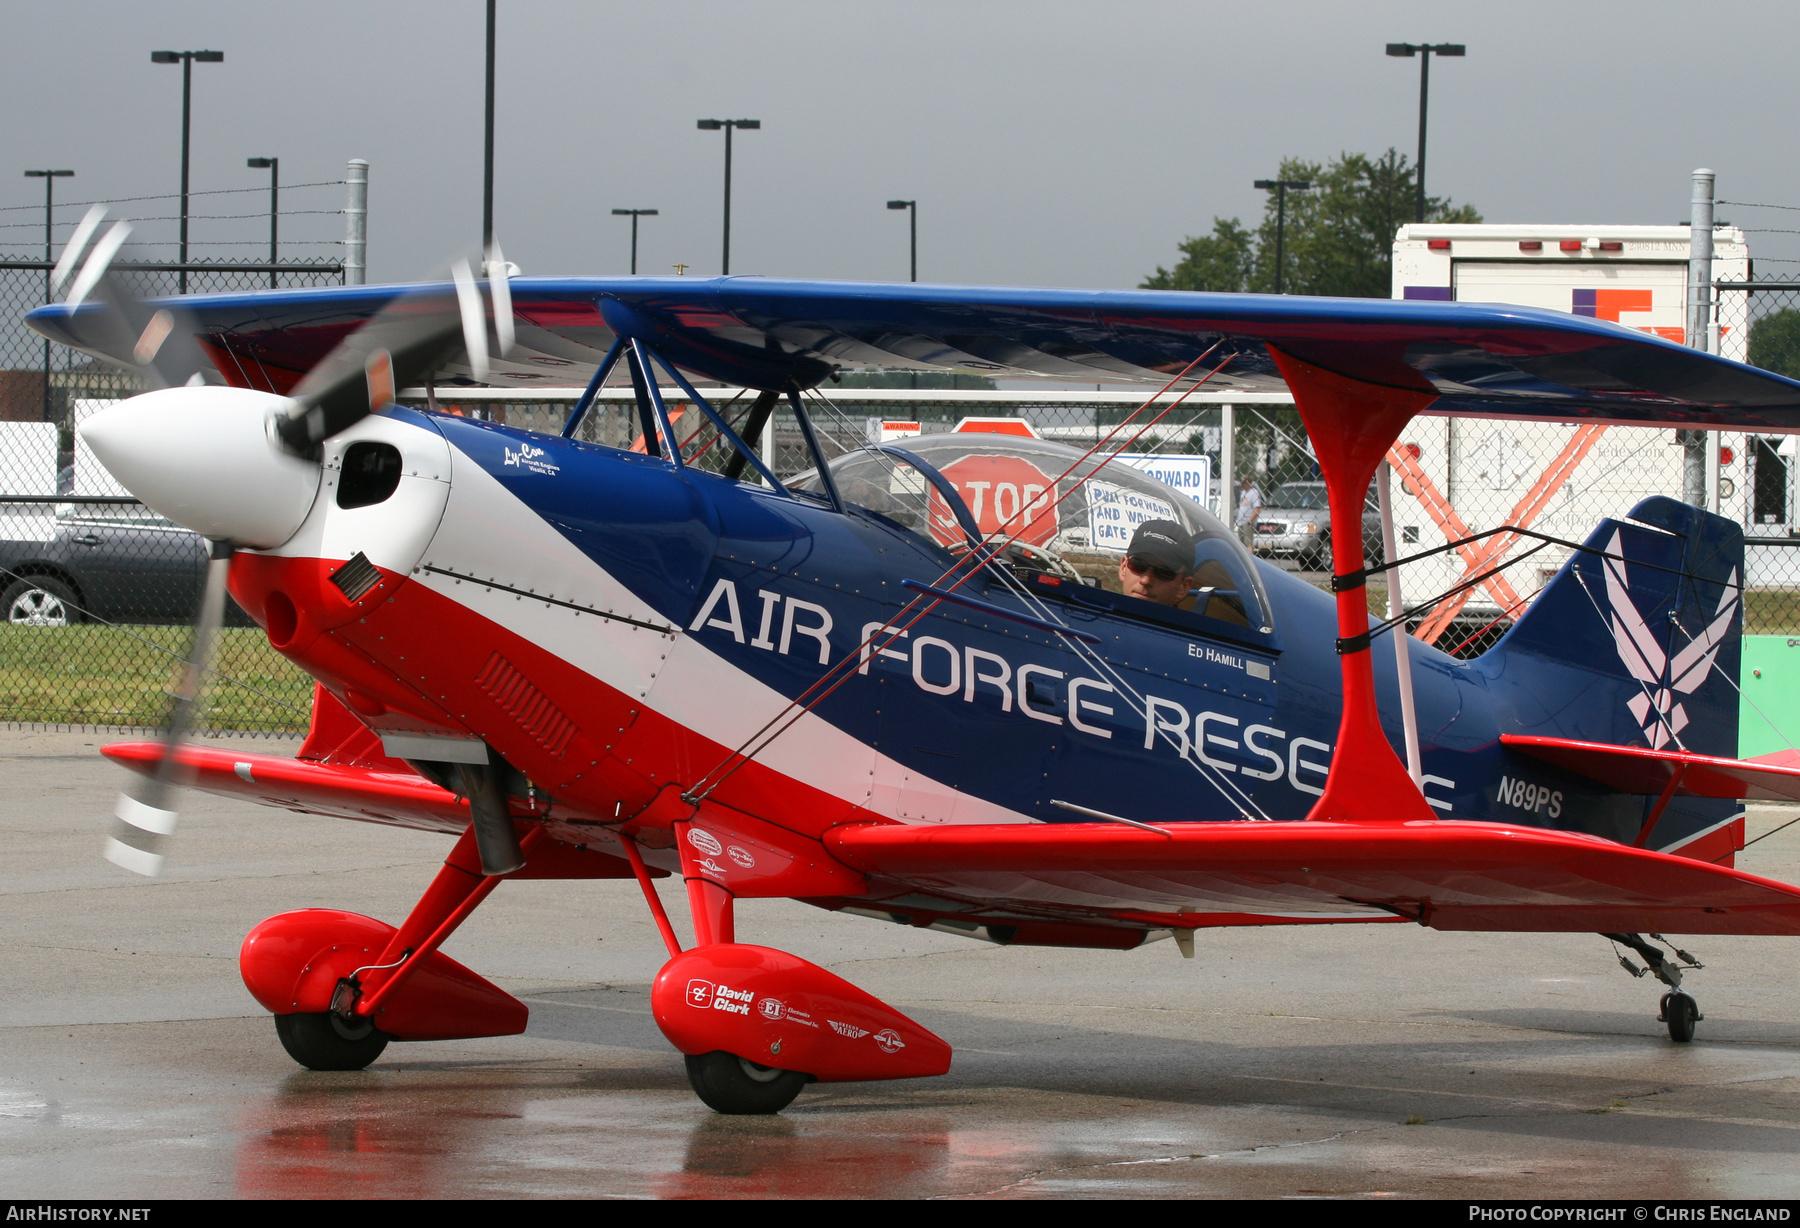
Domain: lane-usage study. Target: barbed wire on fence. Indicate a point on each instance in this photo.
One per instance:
(202, 217)
(131, 200)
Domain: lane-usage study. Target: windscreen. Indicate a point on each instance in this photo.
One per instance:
(1009, 485)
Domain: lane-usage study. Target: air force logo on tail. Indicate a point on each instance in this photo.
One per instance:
(1661, 676)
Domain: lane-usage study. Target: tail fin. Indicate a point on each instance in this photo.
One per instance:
(1637, 645)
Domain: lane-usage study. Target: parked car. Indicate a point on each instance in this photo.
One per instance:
(1295, 522)
(105, 563)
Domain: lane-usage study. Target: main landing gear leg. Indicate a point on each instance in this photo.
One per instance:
(726, 1082)
(327, 976)
(1678, 1008)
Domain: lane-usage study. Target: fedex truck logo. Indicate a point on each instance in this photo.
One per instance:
(1608, 304)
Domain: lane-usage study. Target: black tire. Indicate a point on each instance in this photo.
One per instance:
(735, 1085)
(1681, 1013)
(40, 601)
(323, 1042)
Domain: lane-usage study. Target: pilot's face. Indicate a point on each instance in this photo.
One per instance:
(1152, 581)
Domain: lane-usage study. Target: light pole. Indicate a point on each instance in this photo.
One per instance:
(634, 214)
(186, 59)
(913, 221)
(487, 155)
(713, 125)
(1424, 51)
(1280, 188)
(273, 166)
(49, 177)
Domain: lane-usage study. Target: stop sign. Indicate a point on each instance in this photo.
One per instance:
(1005, 494)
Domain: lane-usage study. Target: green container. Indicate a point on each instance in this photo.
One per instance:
(1769, 707)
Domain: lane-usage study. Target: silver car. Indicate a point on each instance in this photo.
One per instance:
(1295, 522)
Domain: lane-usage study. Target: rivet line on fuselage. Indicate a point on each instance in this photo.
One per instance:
(567, 605)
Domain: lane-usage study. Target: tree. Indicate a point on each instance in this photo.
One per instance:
(1339, 236)
(1223, 260)
(1775, 343)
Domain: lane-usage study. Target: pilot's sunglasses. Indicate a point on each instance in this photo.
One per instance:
(1143, 566)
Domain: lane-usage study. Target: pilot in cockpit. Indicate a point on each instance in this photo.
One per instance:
(1172, 567)
(1159, 564)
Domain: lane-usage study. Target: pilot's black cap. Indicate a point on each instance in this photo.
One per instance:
(1165, 543)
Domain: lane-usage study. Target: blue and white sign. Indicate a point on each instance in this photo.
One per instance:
(1190, 474)
(1114, 513)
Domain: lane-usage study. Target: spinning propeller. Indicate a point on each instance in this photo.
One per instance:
(241, 467)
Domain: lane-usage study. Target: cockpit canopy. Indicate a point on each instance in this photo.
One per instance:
(1072, 517)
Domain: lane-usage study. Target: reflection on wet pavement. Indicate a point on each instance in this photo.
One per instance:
(1278, 1063)
(1215, 1106)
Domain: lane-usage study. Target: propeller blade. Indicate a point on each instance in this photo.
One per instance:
(65, 265)
(500, 294)
(474, 325)
(98, 262)
(161, 342)
(142, 824)
(408, 339)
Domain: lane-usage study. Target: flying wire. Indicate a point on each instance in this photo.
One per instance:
(979, 556)
(1229, 789)
(806, 702)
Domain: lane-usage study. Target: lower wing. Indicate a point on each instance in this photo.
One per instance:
(1449, 875)
(346, 791)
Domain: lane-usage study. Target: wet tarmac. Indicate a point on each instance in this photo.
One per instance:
(1360, 1061)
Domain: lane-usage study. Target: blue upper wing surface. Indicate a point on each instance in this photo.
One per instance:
(1483, 359)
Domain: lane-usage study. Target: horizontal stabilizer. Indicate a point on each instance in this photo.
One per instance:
(1449, 875)
(1638, 769)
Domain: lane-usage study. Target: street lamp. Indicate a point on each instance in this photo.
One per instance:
(913, 221)
(49, 177)
(634, 214)
(487, 154)
(1280, 188)
(273, 166)
(187, 60)
(1424, 51)
(713, 125)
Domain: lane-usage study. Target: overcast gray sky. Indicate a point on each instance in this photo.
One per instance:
(1049, 143)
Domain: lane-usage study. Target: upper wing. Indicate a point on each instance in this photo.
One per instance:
(771, 333)
(1449, 875)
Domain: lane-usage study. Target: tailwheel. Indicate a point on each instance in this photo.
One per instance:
(738, 1086)
(324, 1041)
(1681, 1013)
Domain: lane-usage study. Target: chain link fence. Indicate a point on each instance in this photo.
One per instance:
(98, 592)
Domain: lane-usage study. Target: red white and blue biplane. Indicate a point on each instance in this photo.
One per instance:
(865, 689)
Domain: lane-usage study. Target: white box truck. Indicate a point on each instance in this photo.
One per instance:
(1564, 479)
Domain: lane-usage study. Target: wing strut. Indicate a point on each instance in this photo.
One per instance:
(1352, 424)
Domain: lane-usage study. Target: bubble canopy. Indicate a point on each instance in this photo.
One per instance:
(1077, 525)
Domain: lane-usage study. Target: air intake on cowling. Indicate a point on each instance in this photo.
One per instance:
(356, 577)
